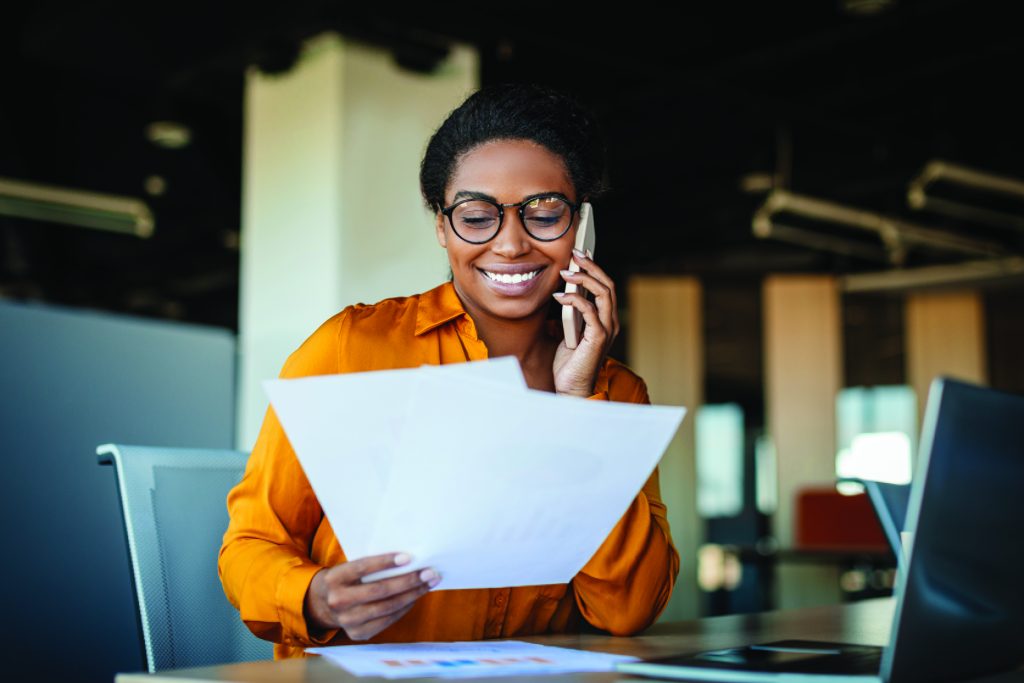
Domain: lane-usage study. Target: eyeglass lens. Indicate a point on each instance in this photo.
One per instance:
(545, 218)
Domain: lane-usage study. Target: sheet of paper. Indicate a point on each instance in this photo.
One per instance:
(465, 659)
(343, 429)
(496, 488)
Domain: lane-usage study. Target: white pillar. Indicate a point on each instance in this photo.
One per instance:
(331, 210)
(666, 348)
(945, 335)
(803, 376)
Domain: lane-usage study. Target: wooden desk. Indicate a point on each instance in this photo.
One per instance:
(864, 622)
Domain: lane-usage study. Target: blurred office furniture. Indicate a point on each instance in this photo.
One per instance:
(173, 501)
(828, 520)
(843, 532)
(72, 379)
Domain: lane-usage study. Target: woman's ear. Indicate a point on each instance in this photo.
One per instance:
(442, 238)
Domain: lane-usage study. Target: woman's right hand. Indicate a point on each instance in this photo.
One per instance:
(337, 598)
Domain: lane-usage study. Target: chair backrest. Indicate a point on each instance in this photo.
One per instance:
(175, 515)
(828, 520)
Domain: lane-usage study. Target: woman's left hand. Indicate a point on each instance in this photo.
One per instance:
(575, 370)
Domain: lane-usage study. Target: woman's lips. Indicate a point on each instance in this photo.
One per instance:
(511, 281)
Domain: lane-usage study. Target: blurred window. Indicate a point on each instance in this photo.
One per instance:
(719, 432)
(875, 430)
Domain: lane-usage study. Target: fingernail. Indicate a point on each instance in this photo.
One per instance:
(433, 582)
(402, 558)
(566, 273)
(590, 254)
(579, 253)
(428, 575)
(558, 295)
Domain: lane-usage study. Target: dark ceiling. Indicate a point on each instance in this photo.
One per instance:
(838, 101)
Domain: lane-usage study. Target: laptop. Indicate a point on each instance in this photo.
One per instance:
(889, 502)
(960, 591)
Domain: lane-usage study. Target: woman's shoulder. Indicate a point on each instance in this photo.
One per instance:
(622, 383)
(355, 334)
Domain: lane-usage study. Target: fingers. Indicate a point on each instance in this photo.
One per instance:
(596, 281)
(370, 618)
(352, 572)
(586, 262)
(595, 330)
(375, 626)
(385, 588)
(364, 609)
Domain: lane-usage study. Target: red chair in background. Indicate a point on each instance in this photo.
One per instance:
(828, 520)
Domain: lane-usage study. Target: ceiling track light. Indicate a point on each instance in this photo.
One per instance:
(954, 174)
(76, 207)
(895, 235)
(968, 273)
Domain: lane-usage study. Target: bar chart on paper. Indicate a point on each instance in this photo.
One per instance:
(465, 659)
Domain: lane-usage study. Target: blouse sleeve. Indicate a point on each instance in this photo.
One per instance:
(628, 581)
(264, 562)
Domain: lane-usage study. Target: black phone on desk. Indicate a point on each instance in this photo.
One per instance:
(572, 319)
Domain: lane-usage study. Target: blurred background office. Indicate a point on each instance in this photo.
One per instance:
(816, 207)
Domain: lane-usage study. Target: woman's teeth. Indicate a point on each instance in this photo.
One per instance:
(511, 279)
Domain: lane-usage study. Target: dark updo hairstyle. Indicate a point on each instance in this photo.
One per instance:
(517, 111)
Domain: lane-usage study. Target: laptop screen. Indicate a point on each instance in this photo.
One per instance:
(960, 608)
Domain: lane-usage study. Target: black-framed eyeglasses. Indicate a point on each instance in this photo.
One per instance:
(545, 217)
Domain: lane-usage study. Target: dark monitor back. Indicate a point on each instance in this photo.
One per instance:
(960, 611)
(73, 380)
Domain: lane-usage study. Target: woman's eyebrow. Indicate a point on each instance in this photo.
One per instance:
(473, 194)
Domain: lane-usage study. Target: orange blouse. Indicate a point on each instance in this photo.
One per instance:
(278, 537)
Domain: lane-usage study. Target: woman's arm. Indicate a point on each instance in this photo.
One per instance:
(628, 581)
(264, 562)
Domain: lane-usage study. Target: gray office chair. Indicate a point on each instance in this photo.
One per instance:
(175, 515)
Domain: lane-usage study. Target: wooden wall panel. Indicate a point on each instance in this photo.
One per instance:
(665, 347)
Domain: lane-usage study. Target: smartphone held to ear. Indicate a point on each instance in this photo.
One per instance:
(572, 320)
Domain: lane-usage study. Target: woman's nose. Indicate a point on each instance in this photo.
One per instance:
(512, 239)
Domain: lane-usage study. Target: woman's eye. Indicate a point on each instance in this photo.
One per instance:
(477, 221)
(544, 220)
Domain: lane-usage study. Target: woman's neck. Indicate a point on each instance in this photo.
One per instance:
(528, 339)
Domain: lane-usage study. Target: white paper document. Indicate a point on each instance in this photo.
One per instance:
(465, 659)
(462, 467)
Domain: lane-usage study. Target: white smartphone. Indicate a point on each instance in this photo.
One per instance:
(572, 320)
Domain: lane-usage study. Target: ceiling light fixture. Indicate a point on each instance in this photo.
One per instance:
(938, 170)
(988, 271)
(866, 8)
(169, 134)
(76, 207)
(896, 235)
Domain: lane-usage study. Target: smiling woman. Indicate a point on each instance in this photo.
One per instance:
(506, 175)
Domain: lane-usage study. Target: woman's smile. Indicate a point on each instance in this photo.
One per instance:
(512, 279)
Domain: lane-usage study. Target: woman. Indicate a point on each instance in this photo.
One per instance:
(505, 175)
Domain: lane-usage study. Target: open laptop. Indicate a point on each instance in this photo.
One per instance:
(960, 594)
(889, 502)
